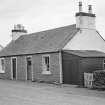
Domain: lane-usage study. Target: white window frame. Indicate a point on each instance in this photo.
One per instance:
(31, 67)
(2, 71)
(104, 64)
(44, 68)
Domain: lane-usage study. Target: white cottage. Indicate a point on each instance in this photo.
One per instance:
(57, 55)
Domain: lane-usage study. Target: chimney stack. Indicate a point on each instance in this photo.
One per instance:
(18, 31)
(85, 20)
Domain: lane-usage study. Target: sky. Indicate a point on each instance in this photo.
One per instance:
(39, 15)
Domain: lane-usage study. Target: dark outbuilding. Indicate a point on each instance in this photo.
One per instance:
(76, 62)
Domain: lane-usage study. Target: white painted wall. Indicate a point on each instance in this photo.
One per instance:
(16, 35)
(86, 40)
(85, 22)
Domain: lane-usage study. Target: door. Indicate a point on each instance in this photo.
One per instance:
(67, 72)
(70, 72)
(14, 67)
(29, 68)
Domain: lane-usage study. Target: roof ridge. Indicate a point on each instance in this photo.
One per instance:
(68, 38)
(53, 40)
(50, 29)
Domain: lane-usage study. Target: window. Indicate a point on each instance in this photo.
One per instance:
(104, 64)
(46, 64)
(2, 65)
(29, 61)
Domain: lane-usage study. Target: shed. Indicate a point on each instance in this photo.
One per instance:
(76, 62)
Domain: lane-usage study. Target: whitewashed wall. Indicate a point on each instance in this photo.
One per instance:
(85, 22)
(86, 40)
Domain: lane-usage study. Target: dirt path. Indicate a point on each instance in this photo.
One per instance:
(31, 93)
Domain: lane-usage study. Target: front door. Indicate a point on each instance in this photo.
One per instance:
(29, 68)
(14, 67)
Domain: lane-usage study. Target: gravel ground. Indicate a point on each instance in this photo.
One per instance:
(32, 93)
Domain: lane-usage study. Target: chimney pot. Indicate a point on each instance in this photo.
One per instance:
(90, 9)
(80, 6)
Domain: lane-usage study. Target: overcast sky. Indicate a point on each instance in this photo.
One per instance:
(38, 15)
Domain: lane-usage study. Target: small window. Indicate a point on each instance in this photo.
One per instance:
(46, 64)
(2, 65)
(104, 64)
(29, 61)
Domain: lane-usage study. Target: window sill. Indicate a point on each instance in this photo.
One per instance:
(46, 72)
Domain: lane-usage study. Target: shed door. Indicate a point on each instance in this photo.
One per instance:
(70, 72)
(29, 68)
(67, 72)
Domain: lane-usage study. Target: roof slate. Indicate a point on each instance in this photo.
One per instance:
(41, 42)
(86, 53)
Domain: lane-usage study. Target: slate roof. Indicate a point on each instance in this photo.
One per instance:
(41, 42)
(86, 53)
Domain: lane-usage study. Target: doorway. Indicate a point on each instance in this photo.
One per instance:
(14, 68)
(29, 68)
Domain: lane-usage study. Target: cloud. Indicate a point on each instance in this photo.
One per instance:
(48, 14)
(39, 15)
(14, 8)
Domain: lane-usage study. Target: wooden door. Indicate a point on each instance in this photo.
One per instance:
(14, 67)
(67, 72)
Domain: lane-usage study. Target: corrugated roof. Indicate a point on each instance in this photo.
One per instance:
(40, 42)
(86, 53)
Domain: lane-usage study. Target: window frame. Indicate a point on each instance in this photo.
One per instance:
(2, 70)
(46, 70)
(32, 73)
(104, 64)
